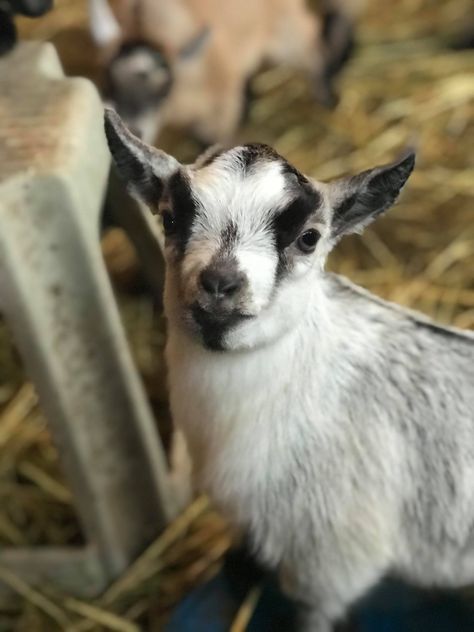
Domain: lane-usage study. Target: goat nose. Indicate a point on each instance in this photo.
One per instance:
(221, 283)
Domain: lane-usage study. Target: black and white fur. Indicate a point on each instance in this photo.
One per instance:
(335, 428)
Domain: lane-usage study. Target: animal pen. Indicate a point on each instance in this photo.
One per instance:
(406, 85)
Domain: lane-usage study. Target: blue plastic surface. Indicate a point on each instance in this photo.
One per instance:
(391, 607)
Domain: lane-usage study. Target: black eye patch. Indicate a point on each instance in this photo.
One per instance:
(288, 223)
(184, 209)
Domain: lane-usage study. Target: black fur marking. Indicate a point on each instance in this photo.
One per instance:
(340, 212)
(254, 153)
(329, 18)
(229, 236)
(439, 330)
(338, 35)
(8, 32)
(248, 98)
(184, 208)
(289, 222)
(370, 194)
(30, 8)
(300, 178)
(134, 45)
(214, 326)
(257, 152)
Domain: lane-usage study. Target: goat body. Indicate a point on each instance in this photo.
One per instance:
(345, 449)
(335, 429)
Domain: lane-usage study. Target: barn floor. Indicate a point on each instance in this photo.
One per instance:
(404, 87)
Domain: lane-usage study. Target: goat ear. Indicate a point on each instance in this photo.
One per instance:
(358, 200)
(144, 169)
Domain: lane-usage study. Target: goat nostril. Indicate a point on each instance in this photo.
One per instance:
(220, 283)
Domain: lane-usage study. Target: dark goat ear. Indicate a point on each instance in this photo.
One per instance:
(358, 200)
(144, 169)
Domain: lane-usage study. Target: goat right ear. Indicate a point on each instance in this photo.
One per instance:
(358, 200)
(144, 169)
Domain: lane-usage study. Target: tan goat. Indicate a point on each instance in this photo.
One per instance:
(187, 63)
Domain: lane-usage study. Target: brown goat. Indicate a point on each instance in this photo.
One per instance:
(187, 62)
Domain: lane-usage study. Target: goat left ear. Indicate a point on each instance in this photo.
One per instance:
(144, 169)
(358, 200)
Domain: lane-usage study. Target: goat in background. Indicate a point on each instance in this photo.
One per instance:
(187, 63)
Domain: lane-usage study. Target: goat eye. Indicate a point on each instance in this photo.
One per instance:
(169, 224)
(308, 240)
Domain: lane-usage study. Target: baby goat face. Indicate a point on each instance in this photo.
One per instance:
(239, 225)
(246, 232)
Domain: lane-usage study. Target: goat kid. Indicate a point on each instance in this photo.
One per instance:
(187, 63)
(335, 428)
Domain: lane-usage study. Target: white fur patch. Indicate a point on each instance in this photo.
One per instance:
(225, 194)
(104, 27)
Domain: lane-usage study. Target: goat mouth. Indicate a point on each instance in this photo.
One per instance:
(213, 325)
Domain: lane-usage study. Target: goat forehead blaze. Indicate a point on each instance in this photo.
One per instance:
(252, 179)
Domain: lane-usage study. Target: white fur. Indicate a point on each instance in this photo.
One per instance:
(103, 24)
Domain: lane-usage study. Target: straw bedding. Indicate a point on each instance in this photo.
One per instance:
(405, 87)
